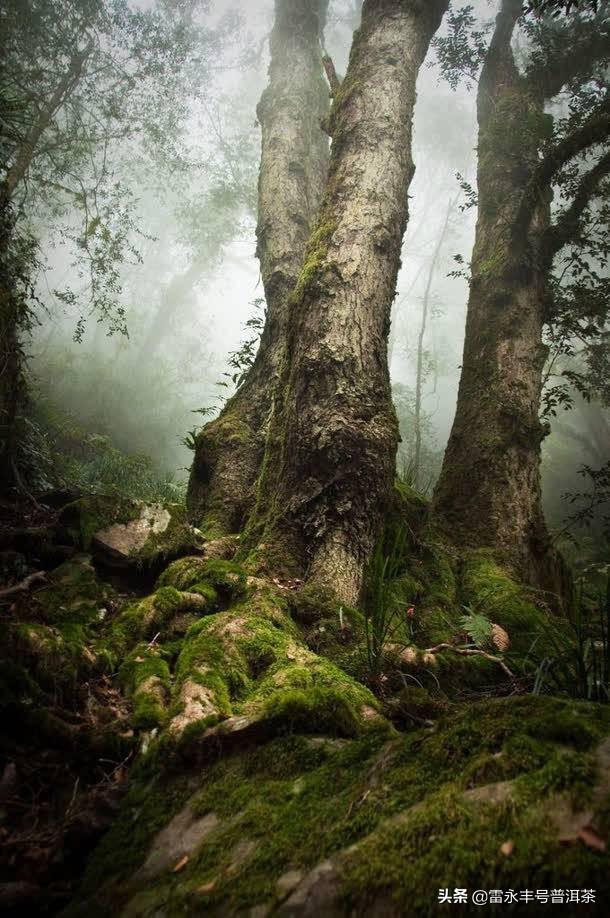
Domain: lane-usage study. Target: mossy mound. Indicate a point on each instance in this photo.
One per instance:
(368, 825)
(251, 661)
(226, 579)
(51, 634)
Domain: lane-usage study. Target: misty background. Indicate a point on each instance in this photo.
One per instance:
(186, 285)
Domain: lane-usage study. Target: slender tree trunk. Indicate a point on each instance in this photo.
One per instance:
(294, 163)
(12, 382)
(330, 458)
(27, 151)
(171, 299)
(419, 381)
(11, 390)
(488, 493)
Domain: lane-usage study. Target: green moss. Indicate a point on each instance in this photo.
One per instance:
(565, 771)
(208, 578)
(56, 630)
(315, 257)
(162, 613)
(179, 538)
(228, 577)
(394, 811)
(489, 589)
(167, 600)
(88, 515)
(409, 506)
(183, 573)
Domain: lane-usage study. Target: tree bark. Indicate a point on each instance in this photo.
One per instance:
(294, 163)
(330, 459)
(488, 494)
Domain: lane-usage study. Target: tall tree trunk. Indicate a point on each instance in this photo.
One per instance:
(330, 458)
(294, 163)
(488, 493)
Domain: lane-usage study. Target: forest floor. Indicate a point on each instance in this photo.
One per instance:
(182, 737)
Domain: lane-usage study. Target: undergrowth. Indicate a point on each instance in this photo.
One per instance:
(63, 454)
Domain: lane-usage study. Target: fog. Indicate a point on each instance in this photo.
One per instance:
(192, 280)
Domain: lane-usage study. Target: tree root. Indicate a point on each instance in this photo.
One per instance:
(471, 652)
(23, 586)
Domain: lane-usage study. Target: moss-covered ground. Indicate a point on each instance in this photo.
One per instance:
(274, 762)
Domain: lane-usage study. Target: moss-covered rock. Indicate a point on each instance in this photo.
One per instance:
(124, 532)
(377, 823)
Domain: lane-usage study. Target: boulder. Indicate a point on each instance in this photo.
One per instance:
(129, 533)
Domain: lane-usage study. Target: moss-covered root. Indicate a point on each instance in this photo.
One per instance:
(145, 676)
(164, 614)
(250, 663)
(202, 574)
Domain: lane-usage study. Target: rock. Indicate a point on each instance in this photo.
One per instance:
(180, 838)
(124, 540)
(128, 533)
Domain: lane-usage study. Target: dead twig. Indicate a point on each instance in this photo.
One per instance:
(23, 586)
(470, 652)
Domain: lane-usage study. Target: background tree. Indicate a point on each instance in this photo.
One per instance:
(84, 85)
(493, 455)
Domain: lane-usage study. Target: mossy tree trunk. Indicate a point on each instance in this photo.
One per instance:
(330, 457)
(488, 493)
(9, 352)
(294, 163)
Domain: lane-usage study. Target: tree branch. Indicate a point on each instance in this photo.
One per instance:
(23, 586)
(331, 74)
(567, 227)
(594, 130)
(575, 52)
(64, 88)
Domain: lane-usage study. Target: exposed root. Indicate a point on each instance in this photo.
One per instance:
(23, 587)
(472, 652)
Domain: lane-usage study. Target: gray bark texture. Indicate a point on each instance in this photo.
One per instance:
(330, 457)
(294, 163)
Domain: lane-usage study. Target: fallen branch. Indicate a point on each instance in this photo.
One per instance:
(471, 651)
(23, 586)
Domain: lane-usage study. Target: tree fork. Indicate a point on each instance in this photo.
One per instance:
(330, 459)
